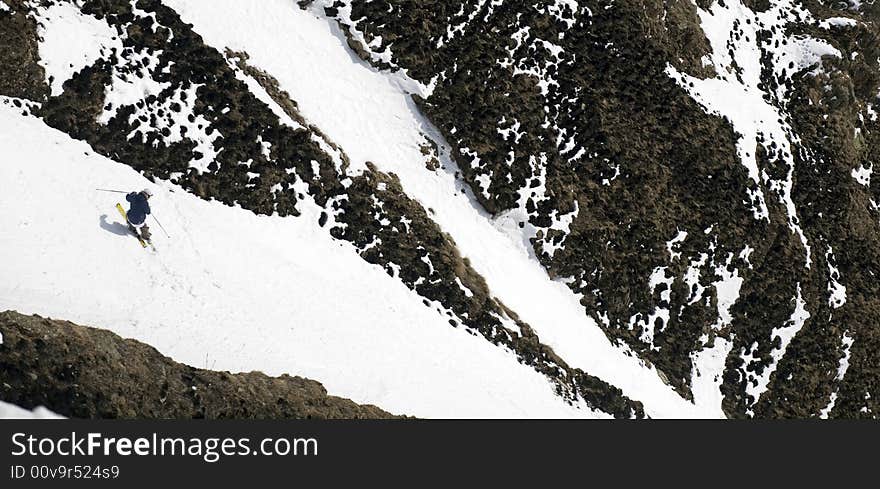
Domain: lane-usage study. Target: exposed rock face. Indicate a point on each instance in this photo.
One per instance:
(832, 112)
(21, 75)
(84, 372)
(587, 119)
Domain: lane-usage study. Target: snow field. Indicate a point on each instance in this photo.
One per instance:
(235, 291)
(372, 117)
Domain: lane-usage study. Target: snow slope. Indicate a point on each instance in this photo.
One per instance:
(11, 411)
(372, 118)
(234, 291)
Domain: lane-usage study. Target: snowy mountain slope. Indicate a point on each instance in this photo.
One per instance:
(147, 134)
(712, 246)
(371, 117)
(235, 291)
(650, 207)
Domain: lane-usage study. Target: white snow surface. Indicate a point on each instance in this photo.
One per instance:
(11, 411)
(236, 291)
(838, 22)
(863, 174)
(70, 41)
(371, 116)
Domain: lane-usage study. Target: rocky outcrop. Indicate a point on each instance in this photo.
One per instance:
(21, 76)
(83, 372)
(832, 111)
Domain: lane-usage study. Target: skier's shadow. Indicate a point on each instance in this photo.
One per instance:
(113, 227)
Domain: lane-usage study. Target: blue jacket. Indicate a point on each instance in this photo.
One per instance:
(137, 214)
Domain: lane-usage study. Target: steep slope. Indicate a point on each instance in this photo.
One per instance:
(371, 117)
(699, 172)
(207, 120)
(91, 373)
(235, 291)
(621, 208)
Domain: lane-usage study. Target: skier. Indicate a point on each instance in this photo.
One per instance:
(137, 214)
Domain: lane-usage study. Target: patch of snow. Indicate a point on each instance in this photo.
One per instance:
(483, 179)
(510, 132)
(255, 88)
(131, 82)
(708, 374)
(70, 41)
(648, 323)
(467, 292)
(560, 223)
(454, 30)
(672, 244)
(11, 411)
(709, 363)
(551, 55)
(855, 4)
(692, 279)
(177, 122)
(727, 292)
(838, 22)
(804, 52)
(836, 290)
(842, 367)
(863, 174)
(746, 253)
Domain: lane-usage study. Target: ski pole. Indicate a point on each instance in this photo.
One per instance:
(160, 225)
(114, 191)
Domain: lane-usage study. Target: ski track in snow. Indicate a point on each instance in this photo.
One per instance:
(235, 291)
(371, 116)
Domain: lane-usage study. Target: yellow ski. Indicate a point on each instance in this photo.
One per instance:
(130, 227)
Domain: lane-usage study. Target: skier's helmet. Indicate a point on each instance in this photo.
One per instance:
(147, 192)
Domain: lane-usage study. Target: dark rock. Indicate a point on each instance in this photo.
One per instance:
(84, 372)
